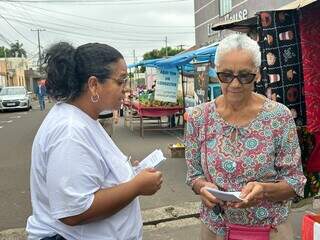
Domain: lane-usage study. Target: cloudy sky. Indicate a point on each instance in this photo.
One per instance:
(128, 25)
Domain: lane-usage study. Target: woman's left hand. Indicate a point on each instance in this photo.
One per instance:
(251, 194)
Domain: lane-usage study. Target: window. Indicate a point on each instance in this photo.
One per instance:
(225, 7)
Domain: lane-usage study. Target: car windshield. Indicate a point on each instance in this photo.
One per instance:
(13, 91)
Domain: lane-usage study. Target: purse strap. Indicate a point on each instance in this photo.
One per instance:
(206, 120)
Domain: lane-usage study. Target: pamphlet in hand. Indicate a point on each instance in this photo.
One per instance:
(153, 160)
(225, 196)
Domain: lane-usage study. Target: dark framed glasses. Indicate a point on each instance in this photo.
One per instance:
(244, 78)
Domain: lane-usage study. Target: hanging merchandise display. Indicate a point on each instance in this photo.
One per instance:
(289, 71)
(307, 144)
(309, 31)
(201, 83)
(281, 71)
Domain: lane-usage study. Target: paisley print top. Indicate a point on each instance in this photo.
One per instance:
(265, 150)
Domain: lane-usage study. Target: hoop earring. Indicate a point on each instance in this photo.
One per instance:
(95, 98)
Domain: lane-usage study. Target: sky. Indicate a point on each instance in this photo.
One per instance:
(129, 25)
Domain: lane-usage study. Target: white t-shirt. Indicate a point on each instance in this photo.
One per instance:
(72, 158)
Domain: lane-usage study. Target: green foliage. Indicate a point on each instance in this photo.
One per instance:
(4, 52)
(156, 53)
(16, 50)
(146, 98)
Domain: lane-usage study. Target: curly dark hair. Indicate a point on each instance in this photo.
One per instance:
(68, 68)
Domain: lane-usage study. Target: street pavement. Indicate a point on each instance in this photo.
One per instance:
(171, 214)
(17, 130)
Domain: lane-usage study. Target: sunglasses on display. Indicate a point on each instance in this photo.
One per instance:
(244, 78)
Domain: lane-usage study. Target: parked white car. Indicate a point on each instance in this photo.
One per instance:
(14, 98)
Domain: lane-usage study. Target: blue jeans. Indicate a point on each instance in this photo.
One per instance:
(55, 237)
(41, 103)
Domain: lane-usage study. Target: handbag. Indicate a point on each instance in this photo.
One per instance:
(242, 232)
(235, 231)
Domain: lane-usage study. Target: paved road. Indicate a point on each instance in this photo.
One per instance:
(17, 130)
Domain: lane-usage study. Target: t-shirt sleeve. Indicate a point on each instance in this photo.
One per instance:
(74, 174)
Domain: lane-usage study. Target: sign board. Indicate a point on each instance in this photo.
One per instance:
(240, 15)
(167, 85)
(151, 76)
(201, 83)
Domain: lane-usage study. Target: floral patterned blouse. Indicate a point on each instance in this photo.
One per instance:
(265, 150)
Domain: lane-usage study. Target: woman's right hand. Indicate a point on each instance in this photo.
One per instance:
(148, 181)
(207, 198)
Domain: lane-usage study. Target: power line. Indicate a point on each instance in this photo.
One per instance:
(16, 30)
(83, 34)
(86, 27)
(108, 21)
(4, 39)
(70, 29)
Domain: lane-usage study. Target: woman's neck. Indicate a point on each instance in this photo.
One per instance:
(85, 105)
(241, 113)
(236, 107)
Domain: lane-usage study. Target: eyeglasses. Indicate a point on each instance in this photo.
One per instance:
(244, 78)
(121, 82)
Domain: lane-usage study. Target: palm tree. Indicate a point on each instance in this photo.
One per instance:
(17, 50)
(4, 52)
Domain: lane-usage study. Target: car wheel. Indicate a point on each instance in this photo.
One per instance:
(29, 106)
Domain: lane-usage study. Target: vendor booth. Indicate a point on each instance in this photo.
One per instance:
(164, 101)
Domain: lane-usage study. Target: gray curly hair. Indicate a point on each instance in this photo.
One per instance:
(239, 41)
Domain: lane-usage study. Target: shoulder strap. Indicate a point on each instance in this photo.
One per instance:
(206, 122)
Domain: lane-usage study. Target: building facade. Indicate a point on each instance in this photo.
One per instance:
(12, 71)
(211, 12)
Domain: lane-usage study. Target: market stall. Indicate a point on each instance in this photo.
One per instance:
(168, 73)
(146, 114)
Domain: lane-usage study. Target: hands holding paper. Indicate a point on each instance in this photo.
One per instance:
(153, 160)
(149, 181)
(250, 195)
(208, 199)
(148, 178)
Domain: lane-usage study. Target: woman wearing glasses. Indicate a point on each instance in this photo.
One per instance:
(82, 185)
(243, 142)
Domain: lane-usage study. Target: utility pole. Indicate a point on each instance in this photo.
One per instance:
(181, 46)
(134, 72)
(134, 56)
(6, 65)
(39, 46)
(166, 40)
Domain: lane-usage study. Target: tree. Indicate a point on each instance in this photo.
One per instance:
(17, 50)
(4, 52)
(155, 53)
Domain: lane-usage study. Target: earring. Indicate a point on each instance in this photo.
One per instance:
(95, 98)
